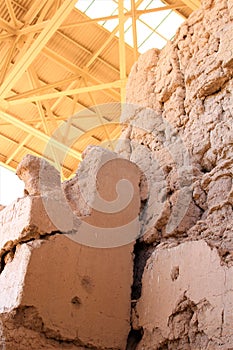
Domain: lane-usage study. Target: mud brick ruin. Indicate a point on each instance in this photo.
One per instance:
(162, 279)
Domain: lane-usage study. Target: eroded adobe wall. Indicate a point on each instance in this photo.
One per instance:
(57, 293)
(179, 130)
(63, 286)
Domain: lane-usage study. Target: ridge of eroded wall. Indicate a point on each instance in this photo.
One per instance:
(179, 130)
(62, 285)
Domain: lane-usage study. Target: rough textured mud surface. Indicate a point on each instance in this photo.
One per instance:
(67, 277)
(187, 299)
(57, 293)
(179, 131)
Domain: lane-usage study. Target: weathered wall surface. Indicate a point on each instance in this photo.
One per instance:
(56, 292)
(187, 299)
(60, 294)
(179, 130)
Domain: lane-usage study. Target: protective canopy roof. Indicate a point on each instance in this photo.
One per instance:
(62, 57)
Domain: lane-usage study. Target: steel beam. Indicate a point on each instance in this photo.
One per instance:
(33, 11)
(134, 30)
(158, 9)
(77, 70)
(99, 115)
(20, 67)
(26, 94)
(33, 28)
(8, 59)
(86, 50)
(39, 134)
(127, 15)
(105, 44)
(42, 89)
(192, 4)
(20, 145)
(11, 12)
(6, 36)
(122, 55)
(82, 90)
(7, 26)
(34, 83)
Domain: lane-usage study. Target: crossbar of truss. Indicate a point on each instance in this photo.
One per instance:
(20, 67)
(39, 134)
(82, 90)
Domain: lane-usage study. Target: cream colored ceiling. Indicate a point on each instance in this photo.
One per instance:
(55, 63)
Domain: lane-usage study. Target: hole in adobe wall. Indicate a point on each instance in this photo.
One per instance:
(134, 337)
(142, 252)
(175, 272)
(143, 208)
(76, 301)
(204, 170)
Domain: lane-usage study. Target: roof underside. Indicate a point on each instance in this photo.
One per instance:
(57, 62)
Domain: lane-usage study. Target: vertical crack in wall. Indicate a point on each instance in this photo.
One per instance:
(135, 335)
(142, 252)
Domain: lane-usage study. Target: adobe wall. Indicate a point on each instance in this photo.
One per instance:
(179, 131)
(63, 285)
(60, 291)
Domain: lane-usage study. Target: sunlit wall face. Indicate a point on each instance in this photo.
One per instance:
(11, 187)
(153, 29)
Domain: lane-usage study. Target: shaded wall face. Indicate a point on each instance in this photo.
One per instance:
(58, 294)
(69, 289)
(179, 127)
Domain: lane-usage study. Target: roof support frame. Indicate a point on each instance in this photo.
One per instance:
(33, 11)
(39, 134)
(37, 46)
(7, 26)
(19, 146)
(87, 51)
(8, 59)
(11, 12)
(35, 83)
(122, 55)
(134, 30)
(32, 28)
(77, 70)
(127, 15)
(52, 95)
(99, 115)
(55, 104)
(33, 79)
(24, 35)
(191, 4)
(43, 88)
